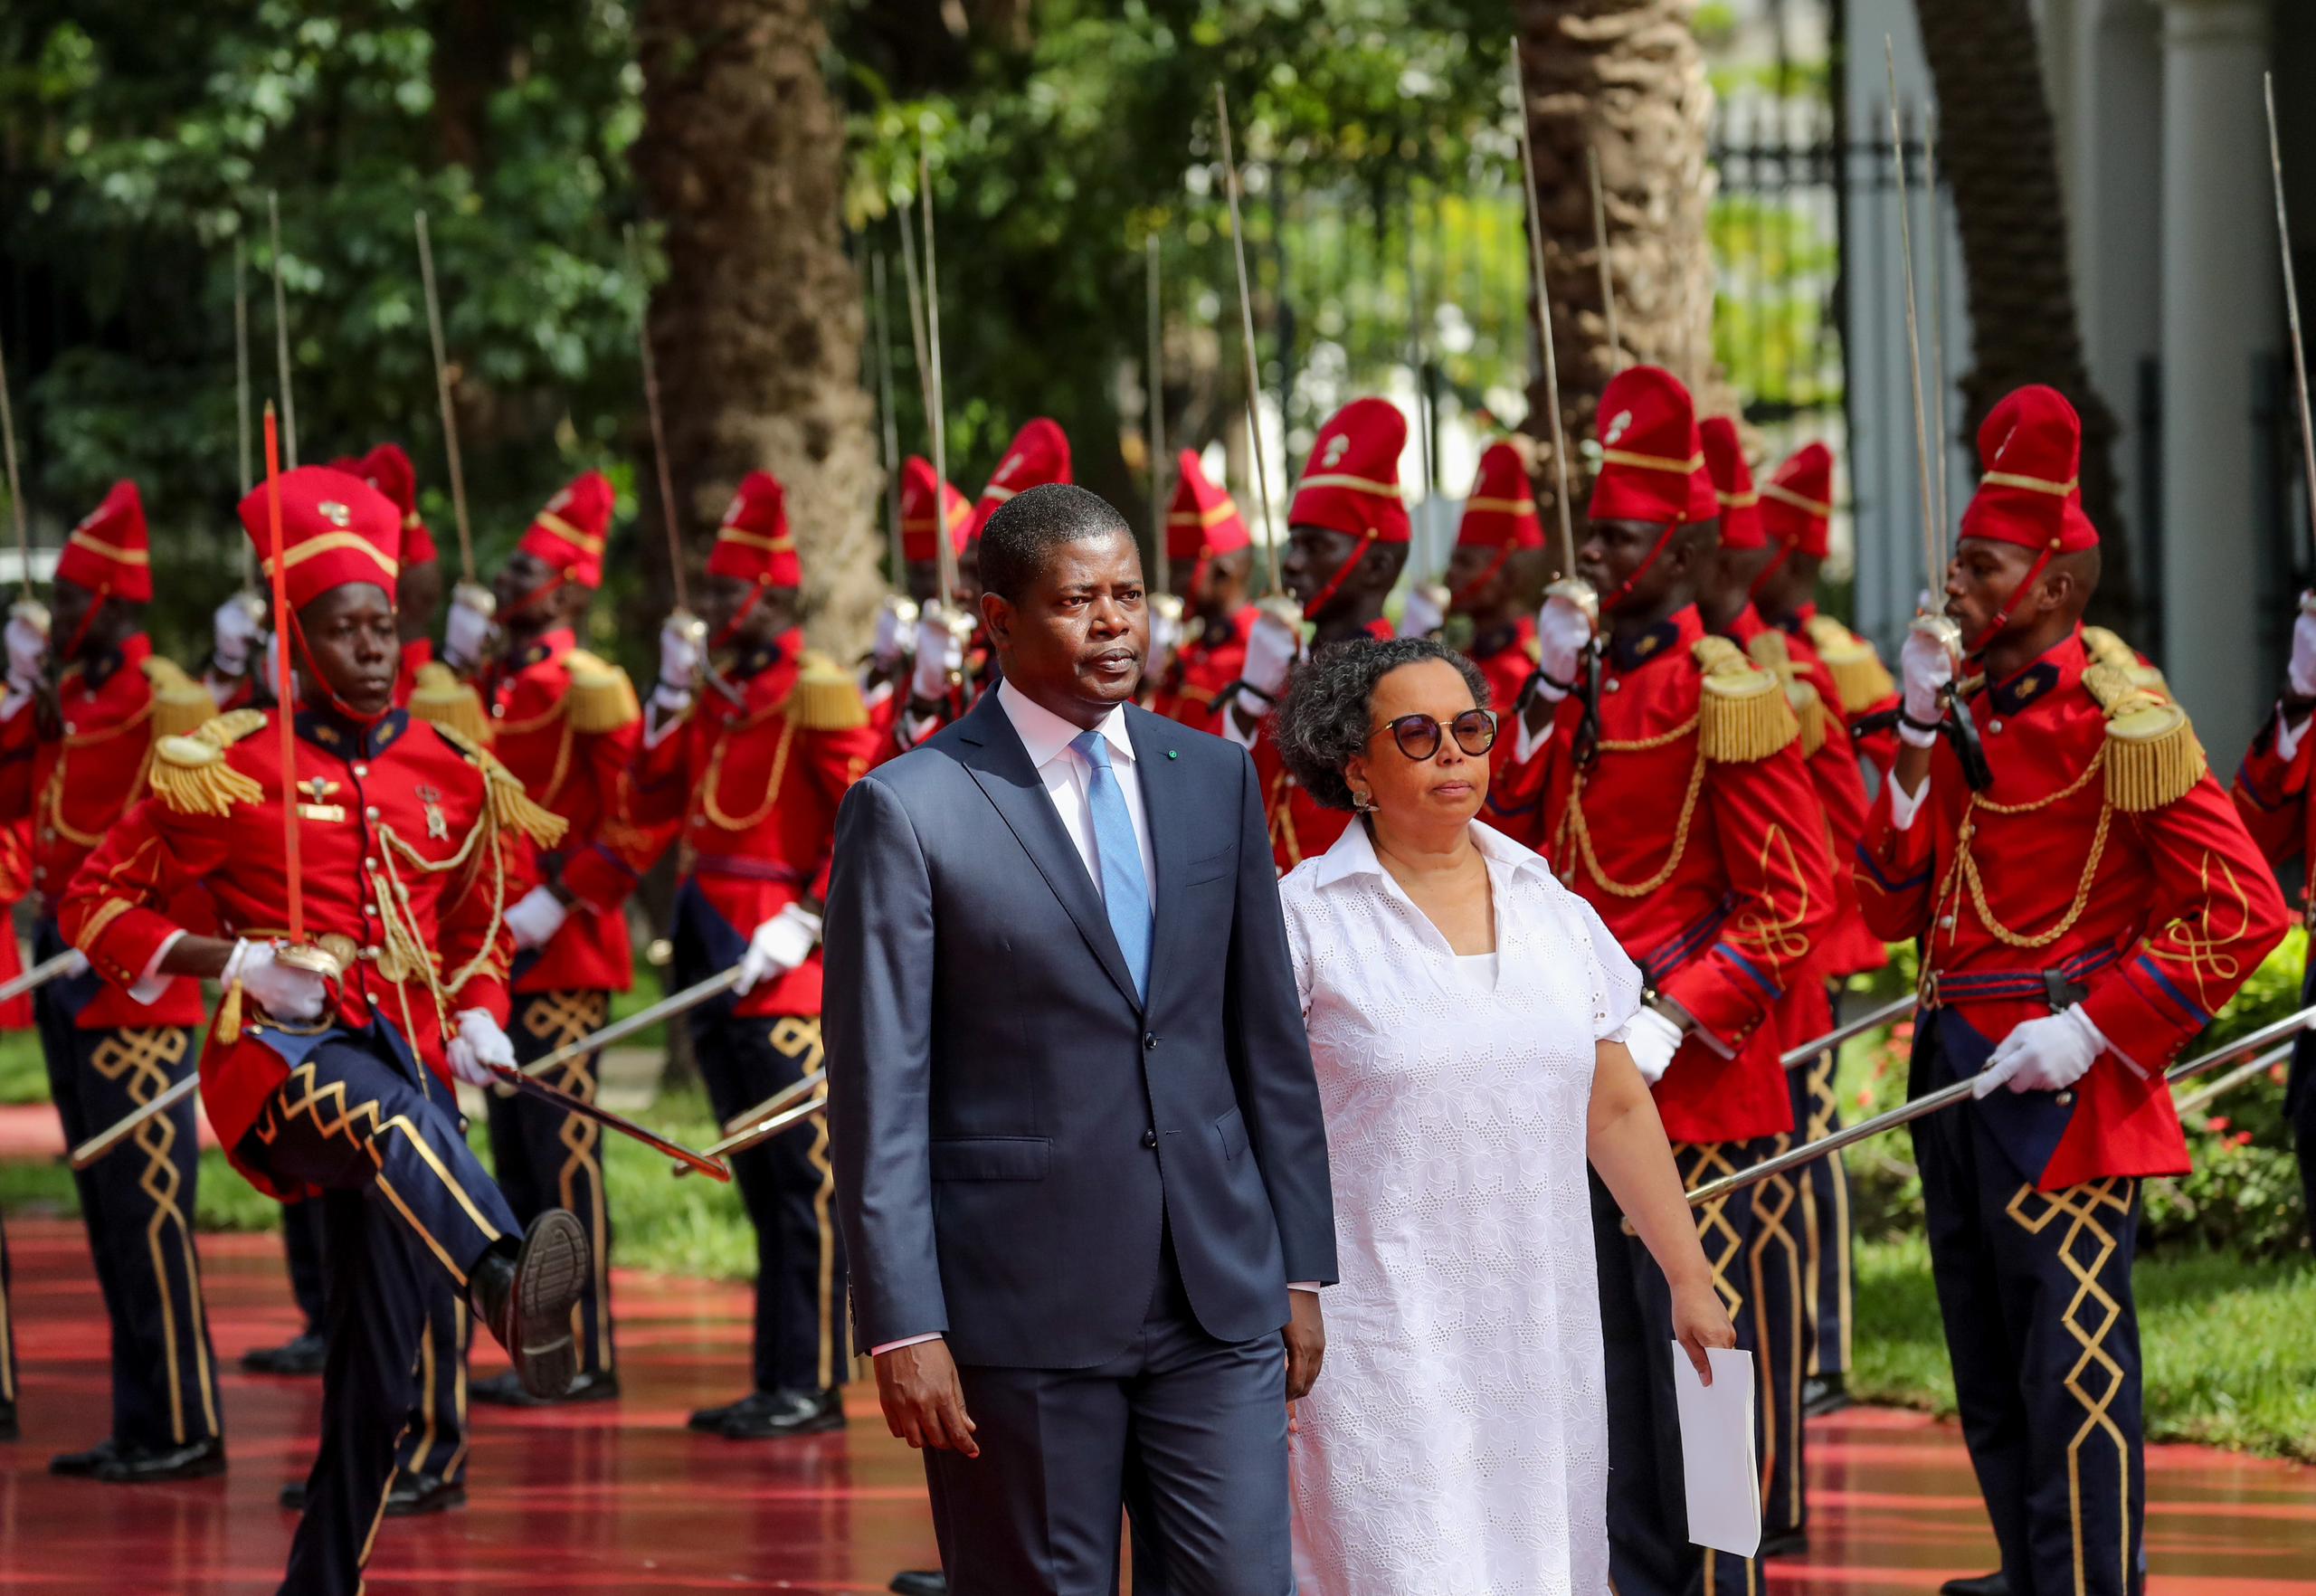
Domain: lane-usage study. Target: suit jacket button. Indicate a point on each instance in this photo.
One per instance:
(1149, 1041)
(1150, 1139)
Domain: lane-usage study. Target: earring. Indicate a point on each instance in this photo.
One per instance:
(1363, 802)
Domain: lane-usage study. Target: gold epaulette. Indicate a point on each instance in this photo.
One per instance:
(180, 704)
(440, 699)
(189, 773)
(2106, 648)
(602, 697)
(1743, 714)
(826, 698)
(2153, 757)
(1769, 650)
(1858, 673)
(505, 800)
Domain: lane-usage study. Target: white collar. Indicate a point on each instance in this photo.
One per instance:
(1047, 737)
(1353, 854)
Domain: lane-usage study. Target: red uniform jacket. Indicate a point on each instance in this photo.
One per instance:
(2138, 888)
(394, 814)
(16, 880)
(752, 788)
(567, 724)
(1301, 827)
(1208, 661)
(897, 733)
(2271, 794)
(73, 790)
(1863, 685)
(1694, 833)
(1506, 656)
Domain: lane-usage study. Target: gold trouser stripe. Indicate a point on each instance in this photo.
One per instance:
(557, 1019)
(1822, 1106)
(1715, 1234)
(426, 1355)
(458, 1385)
(422, 1234)
(418, 1145)
(799, 1039)
(1773, 1201)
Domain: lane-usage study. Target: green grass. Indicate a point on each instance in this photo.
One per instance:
(24, 1077)
(2229, 1362)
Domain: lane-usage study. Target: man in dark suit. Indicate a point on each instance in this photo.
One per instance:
(1079, 1153)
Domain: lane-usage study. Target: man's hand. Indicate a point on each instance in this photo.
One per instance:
(939, 654)
(1306, 1336)
(27, 655)
(2045, 1055)
(1652, 1040)
(233, 631)
(1271, 651)
(285, 992)
(924, 1400)
(537, 917)
(2301, 674)
(1425, 612)
(780, 944)
(466, 632)
(1700, 1320)
(1928, 666)
(1562, 628)
(678, 665)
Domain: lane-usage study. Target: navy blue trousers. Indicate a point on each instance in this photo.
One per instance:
(302, 1250)
(1826, 1238)
(138, 1205)
(2035, 1289)
(2300, 1105)
(408, 1213)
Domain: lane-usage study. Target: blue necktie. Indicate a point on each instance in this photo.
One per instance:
(1118, 868)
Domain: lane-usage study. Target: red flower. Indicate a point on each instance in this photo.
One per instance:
(2242, 1139)
(2216, 1122)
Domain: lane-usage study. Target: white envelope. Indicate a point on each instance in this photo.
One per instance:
(1717, 1461)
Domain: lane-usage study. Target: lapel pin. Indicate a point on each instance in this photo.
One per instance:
(1169, 753)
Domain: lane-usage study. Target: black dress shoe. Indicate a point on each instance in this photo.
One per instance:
(1821, 1396)
(713, 1420)
(84, 1465)
(920, 1583)
(412, 1496)
(155, 1465)
(1791, 1542)
(785, 1413)
(1986, 1585)
(300, 1354)
(505, 1391)
(8, 1431)
(526, 1301)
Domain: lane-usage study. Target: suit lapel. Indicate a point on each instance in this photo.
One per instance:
(1165, 808)
(1001, 767)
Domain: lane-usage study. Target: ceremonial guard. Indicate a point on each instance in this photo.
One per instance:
(77, 728)
(930, 510)
(1347, 534)
(1675, 799)
(1495, 580)
(407, 843)
(1209, 561)
(2085, 909)
(747, 768)
(954, 661)
(2272, 795)
(1797, 510)
(567, 724)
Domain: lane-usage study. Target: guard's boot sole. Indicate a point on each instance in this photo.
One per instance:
(550, 1272)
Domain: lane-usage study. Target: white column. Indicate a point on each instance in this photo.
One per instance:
(2220, 287)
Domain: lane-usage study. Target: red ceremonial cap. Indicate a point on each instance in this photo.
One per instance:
(109, 553)
(388, 469)
(1351, 483)
(336, 527)
(1501, 513)
(1652, 456)
(1798, 502)
(755, 544)
(2031, 448)
(917, 522)
(569, 533)
(1039, 454)
(1733, 484)
(1202, 520)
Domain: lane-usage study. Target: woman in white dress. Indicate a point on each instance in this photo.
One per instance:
(1468, 1017)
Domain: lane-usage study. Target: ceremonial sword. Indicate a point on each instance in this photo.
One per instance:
(40, 974)
(1946, 1097)
(642, 1020)
(1896, 1007)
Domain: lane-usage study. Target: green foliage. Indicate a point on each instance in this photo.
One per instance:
(24, 1073)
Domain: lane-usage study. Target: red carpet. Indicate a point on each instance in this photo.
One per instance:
(623, 1498)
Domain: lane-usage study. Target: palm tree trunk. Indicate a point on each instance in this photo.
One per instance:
(1626, 77)
(757, 329)
(1999, 149)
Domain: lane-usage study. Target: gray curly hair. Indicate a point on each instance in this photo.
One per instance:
(1325, 719)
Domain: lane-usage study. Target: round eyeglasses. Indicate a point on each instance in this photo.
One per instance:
(1417, 736)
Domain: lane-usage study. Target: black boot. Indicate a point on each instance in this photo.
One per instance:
(412, 1496)
(920, 1583)
(302, 1353)
(785, 1413)
(8, 1430)
(1985, 1584)
(1826, 1395)
(84, 1465)
(505, 1391)
(713, 1420)
(155, 1465)
(526, 1299)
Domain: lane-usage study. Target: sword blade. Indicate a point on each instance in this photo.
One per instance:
(106, 1140)
(778, 1101)
(39, 974)
(764, 1130)
(1946, 1097)
(711, 1167)
(642, 1020)
(1896, 1009)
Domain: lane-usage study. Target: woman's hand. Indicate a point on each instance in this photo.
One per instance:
(1699, 1321)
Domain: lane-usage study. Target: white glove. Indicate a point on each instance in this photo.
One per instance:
(466, 635)
(1652, 1040)
(678, 665)
(281, 990)
(895, 639)
(1272, 649)
(940, 655)
(1165, 637)
(2047, 1055)
(780, 944)
(478, 1045)
(537, 917)
(1562, 628)
(1927, 666)
(1423, 614)
(2302, 676)
(233, 630)
(27, 654)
